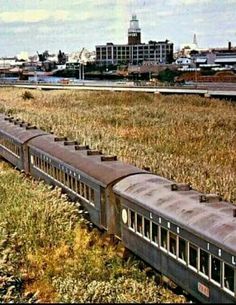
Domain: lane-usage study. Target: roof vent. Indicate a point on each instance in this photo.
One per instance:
(67, 143)
(108, 158)
(93, 152)
(180, 187)
(234, 212)
(16, 121)
(210, 198)
(9, 118)
(81, 147)
(57, 139)
(30, 127)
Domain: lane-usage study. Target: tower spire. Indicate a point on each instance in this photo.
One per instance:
(195, 39)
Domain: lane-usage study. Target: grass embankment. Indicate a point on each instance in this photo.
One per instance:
(48, 255)
(186, 138)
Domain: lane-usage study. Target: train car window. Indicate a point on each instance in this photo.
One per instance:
(78, 187)
(131, 219)
(182, 249)
(164, 238)
(228, 277)
(172, 243)
(50, 169)
(92, 195)
(39, 163)
(63, 177)
(81, 188)
(204, 262)
(70, 182)
(43, 165)
(139, 224)
(87, 192)
(55, 172)
(66, 178)
(193, 255)
(147, 228)
(73, 182)
(154, 233)
(215, 269)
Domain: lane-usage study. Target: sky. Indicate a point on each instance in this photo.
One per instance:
(70, 25)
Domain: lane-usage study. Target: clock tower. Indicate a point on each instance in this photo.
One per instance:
(134, 32)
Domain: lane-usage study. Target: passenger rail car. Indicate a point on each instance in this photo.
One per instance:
(14, 136)
(86, 175)
(186, 235)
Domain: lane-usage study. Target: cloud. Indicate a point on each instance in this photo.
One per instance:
(31, 16)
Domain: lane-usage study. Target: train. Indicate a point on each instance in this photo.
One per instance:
(188, 236)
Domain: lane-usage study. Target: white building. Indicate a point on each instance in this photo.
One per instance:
(183, 61)
(7, 62)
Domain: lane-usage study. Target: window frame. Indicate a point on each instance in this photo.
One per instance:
(151, 239)
(167, 239)
(211, 279)
(233, 293)
(199, 264)
(176, 248)
(190, 266)
(185, 262)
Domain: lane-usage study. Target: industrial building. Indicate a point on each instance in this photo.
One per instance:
(134, 52)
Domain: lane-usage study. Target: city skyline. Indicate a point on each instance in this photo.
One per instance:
(69, 26)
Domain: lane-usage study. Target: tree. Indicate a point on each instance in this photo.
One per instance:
(61, 58)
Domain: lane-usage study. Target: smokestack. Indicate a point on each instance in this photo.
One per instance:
(229, 45)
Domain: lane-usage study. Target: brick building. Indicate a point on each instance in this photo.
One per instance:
(134, 52)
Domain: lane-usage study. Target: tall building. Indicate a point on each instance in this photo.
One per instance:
(134, 32)
(134, 52)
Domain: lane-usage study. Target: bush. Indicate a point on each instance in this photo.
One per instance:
(27, 95)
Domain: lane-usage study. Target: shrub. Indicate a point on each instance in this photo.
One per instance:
(27, 95)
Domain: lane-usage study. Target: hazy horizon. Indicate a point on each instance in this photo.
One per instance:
(69, 26)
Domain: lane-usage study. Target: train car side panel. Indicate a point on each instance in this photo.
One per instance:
(76, 184)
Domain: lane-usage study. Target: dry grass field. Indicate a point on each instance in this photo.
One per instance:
(44, 245)
(184, 138)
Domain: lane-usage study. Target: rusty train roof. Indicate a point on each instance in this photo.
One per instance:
(18, 133)
(104, 172)
(213, 220)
